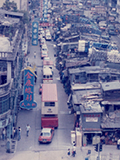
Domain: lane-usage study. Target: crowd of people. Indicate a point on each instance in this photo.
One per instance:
(16, 133)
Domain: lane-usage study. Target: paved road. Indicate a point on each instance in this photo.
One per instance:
(62, 137)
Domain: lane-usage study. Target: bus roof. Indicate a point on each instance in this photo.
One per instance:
(47, 70)
(49, 92)
(47, 62)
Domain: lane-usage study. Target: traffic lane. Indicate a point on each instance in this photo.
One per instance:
(37, 61)
(51, 50)
(31, 117)
(61, 140)
(26, 117)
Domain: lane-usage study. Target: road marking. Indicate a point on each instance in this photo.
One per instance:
(58, 78)
(64, 112)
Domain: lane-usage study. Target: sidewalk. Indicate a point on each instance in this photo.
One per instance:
(109, 152)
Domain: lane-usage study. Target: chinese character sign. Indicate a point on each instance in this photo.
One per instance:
(34, 33)
(28, 101)
(45, 10)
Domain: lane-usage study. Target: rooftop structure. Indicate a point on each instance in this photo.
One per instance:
(5, 45)
(115, 85)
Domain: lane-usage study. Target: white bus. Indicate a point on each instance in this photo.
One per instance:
(47, 75)
(48, 63)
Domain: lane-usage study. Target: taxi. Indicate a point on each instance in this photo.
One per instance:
(46, 135)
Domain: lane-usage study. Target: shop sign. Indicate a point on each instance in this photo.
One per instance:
(46, 24)
(28, 100)
(6, 122)
(91, 119)
(34, 33)
(91, 115)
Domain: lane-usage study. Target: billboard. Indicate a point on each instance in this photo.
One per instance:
(28, 97)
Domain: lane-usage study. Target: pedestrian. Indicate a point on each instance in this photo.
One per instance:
(68, 153)
(8, 145)
(16, 132)
(3, 134)
(27, 129)
(19, 133)
(34, 54)
(74, 150)
(13, 135)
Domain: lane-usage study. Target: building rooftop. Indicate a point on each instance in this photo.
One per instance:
(86, 92)
(86, 86)
(112, 120)
(90, 69)
(90, 107)
(107, 86)
(5, 45)
(2, 11)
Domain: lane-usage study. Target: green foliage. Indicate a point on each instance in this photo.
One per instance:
(25, 18)
(10, 6)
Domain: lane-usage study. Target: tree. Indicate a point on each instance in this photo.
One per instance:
(10, 6)
(25, 18)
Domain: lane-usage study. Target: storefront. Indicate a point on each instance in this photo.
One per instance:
(90, 122)
(91, 137)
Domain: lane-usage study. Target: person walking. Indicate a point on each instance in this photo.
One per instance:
(16, 131)
(74, 150)
(27, 129)
(19, 133)
(13, 136)
(3, 134)
(34, 54)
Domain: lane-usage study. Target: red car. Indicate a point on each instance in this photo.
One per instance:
(46, 135)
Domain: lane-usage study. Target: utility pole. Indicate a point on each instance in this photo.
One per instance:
(98, 157)
(98, 148)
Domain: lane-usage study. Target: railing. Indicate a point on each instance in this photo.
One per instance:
(4, 88)
(11, 54)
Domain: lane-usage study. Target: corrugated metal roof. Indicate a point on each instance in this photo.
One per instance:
(115, 85)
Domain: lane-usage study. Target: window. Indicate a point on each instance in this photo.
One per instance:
(52, 104)
(47, 76)
(44, 76)
(76, 77)
(50, 76)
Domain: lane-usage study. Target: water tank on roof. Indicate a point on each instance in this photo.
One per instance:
(83, 46)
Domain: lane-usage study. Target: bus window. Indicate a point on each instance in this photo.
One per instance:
(52, 104)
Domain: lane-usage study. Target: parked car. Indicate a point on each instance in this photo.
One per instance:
(46, 135)
(43, 33)
(46, 58)
(40, 89)
(48, 37)
(44, 53)
(42, 41)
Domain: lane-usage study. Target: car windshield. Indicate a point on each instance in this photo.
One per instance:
(45, 134)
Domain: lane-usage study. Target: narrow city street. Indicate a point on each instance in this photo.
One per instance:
(62, 137)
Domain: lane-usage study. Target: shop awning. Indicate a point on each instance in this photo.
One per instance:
(91, 130)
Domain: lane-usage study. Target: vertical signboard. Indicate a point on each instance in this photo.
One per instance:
(28, 98)
(34, 33)
(45, 10)
(41, 10)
